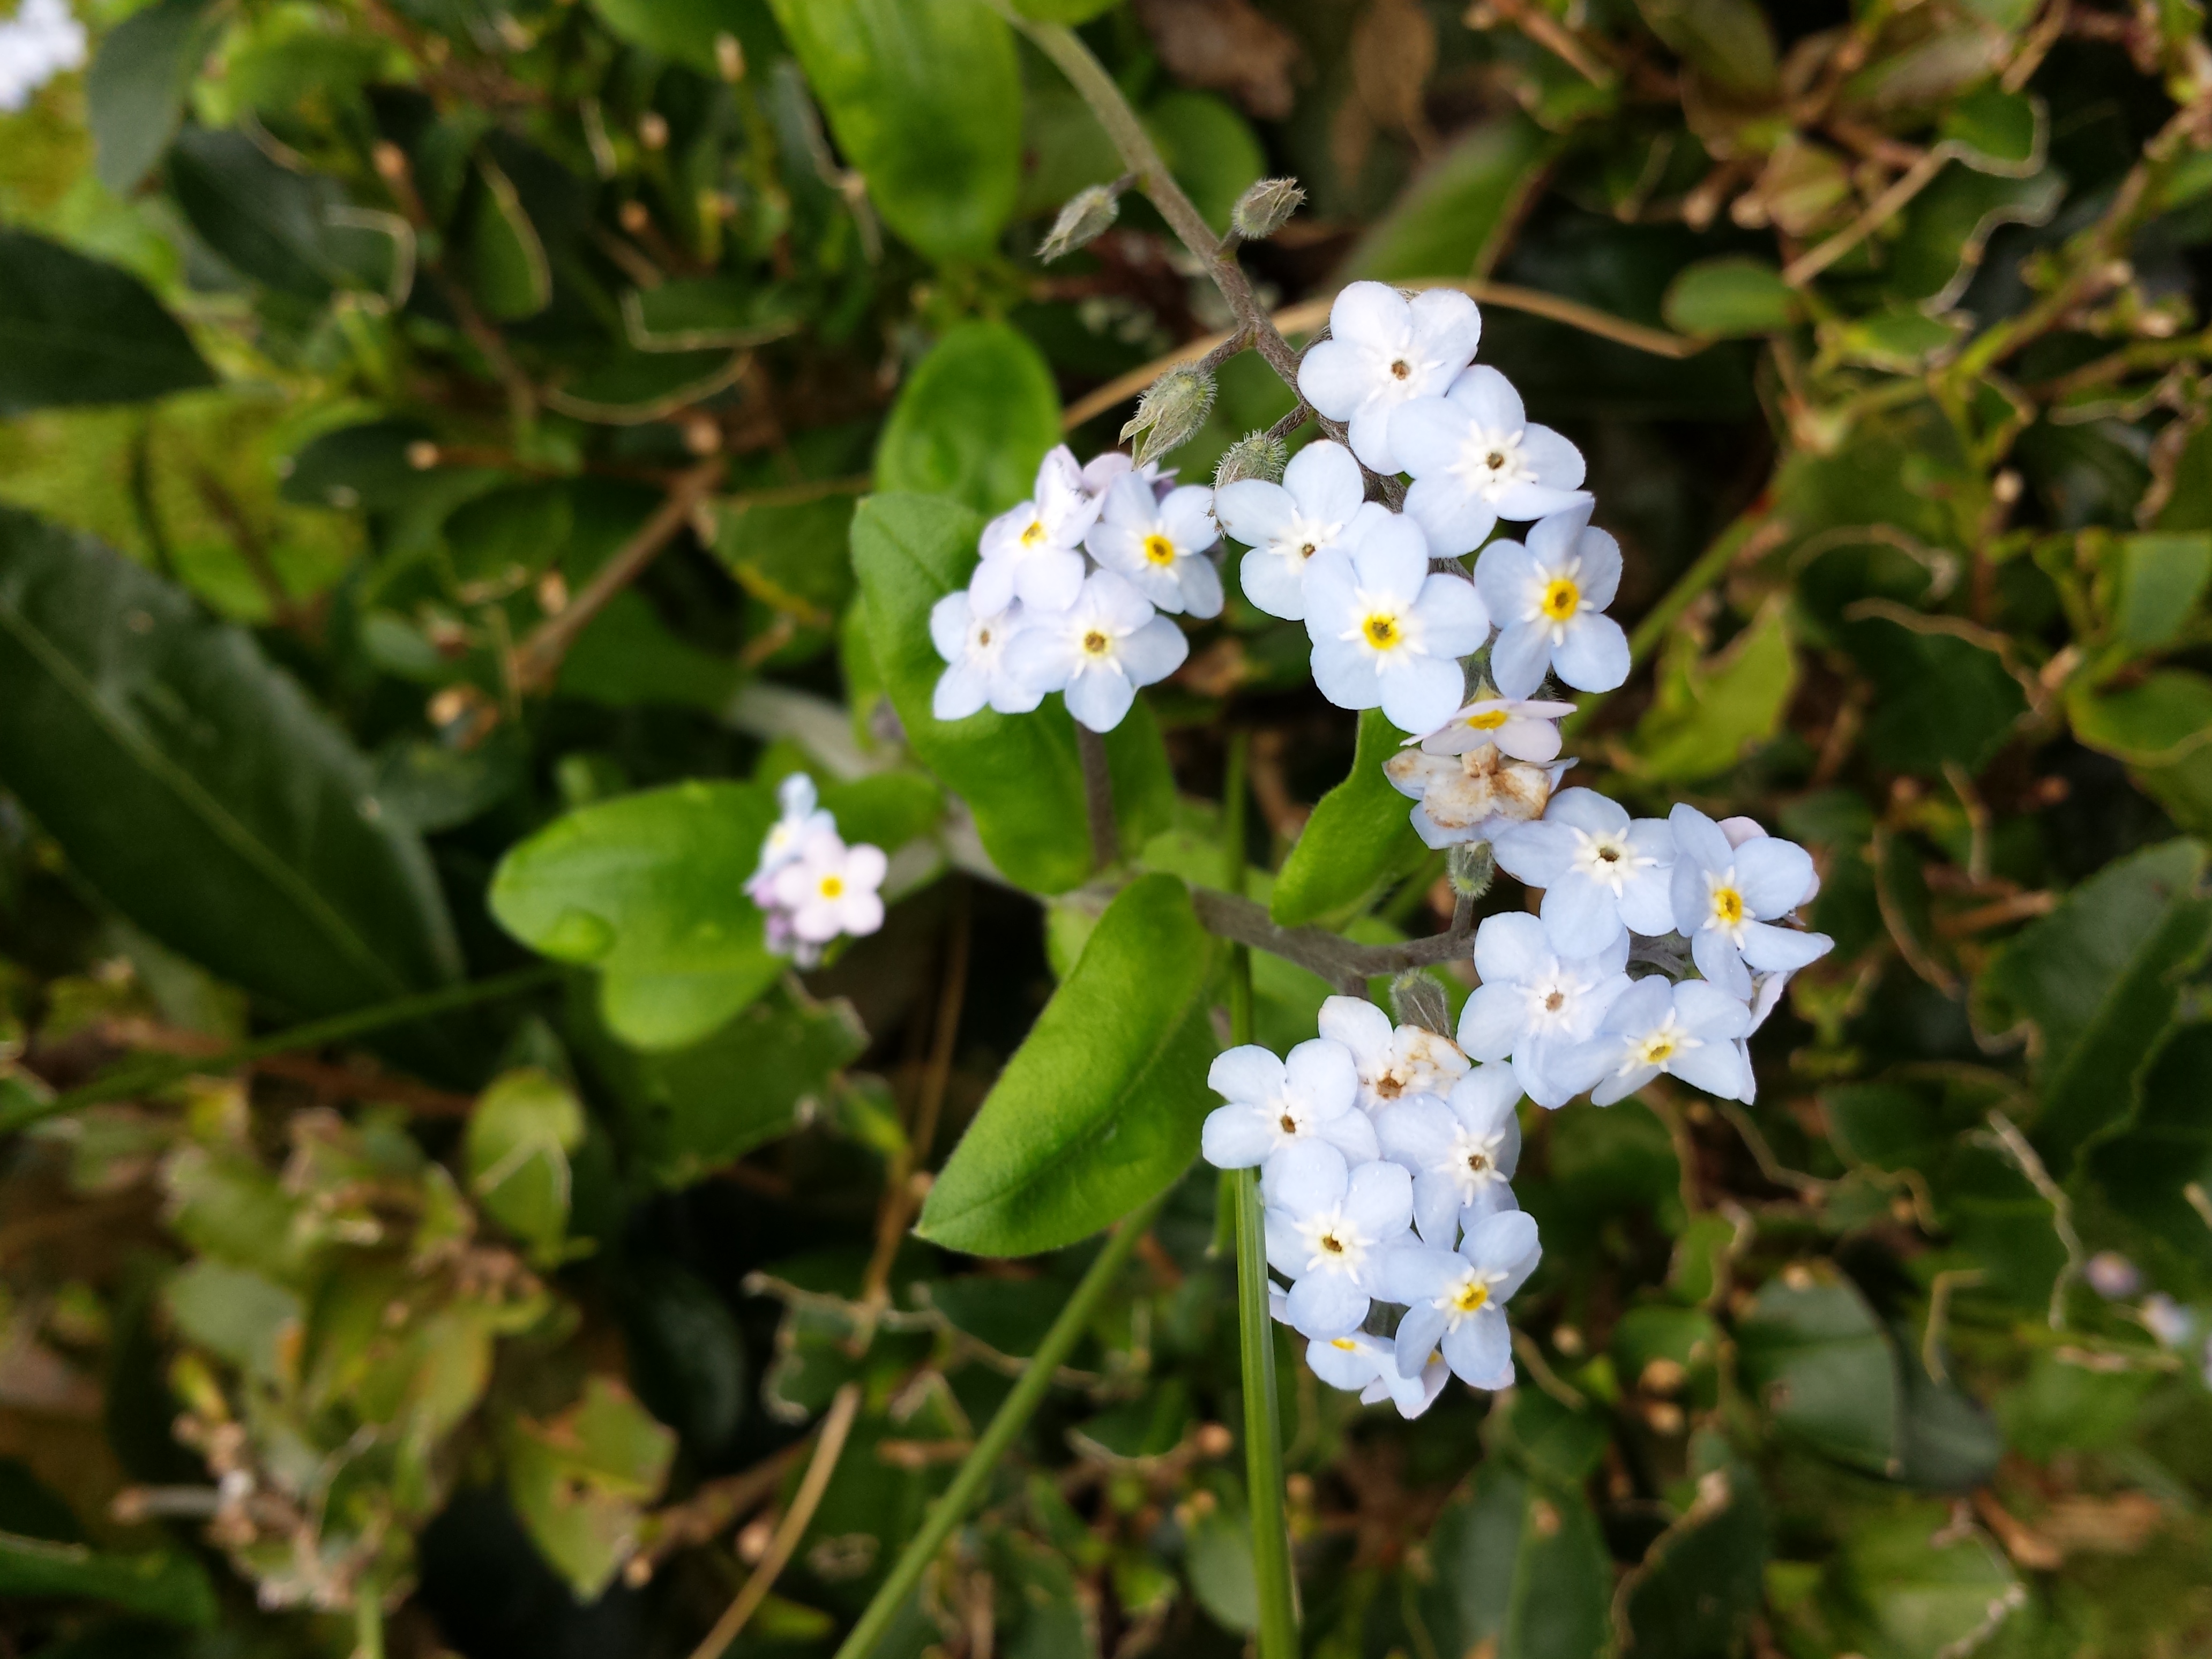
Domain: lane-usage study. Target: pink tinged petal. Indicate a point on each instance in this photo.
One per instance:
(1154, 651)
(1187, 515)
(1600, 577)
(1428, 435)
(1454, 620)
(1334, 378)
(1308, 1177)
(1358, 1027)
(1491, 1022)
(1049, 579)
(1419, 694)
(1392, 559)
(991, 589)
(1236, 1137)
(1345, 674)
(1773, 874)
(1489, 397)
(1247, 1072)
(1369, 429)
(1255, 511)
(865, 865)
(948, 626)
(1326, 1304)
(1373, 315)
(1593, 656)
(1274, 584)
(1447, 326)
(1455, 518)
(859, 914)
(1580, 917)
(1100, 698)
(1200, 585)
(1771, 950)
(1742, 829)
(1323, 1074)
(1325, 481)
(961, 691)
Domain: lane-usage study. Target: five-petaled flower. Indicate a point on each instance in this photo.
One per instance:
(1474, 459)
(1386, 631)
(1601, 871)
(1159, 544)
(1033, 552)
(1368, 1364)
(1536, 1006)
(1314, 1095)
(1329, 1225)
(1286, 524)
(1462, 1151)
(1384, 351)
(1546, 598)
(1455, 1299)
(1688, 1030)
(1521, 728)
(831, 888)
(1393, 1062)
(977, 670)
(1726, 899)
(1097, 651)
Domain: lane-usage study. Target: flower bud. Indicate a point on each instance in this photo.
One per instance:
(1255, 455)
(1089, 213)
(1416, 998)
(1470, 867)
(1266, 208)
(1175, 406)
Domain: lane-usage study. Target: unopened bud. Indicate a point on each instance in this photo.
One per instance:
(1175, 406)
(1255, 455)
(1417, 1000)
(1266, 208)
(1470, 868)
(1088, 213)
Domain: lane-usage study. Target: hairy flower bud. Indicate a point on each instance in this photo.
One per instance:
(1470, 868)
(1088, 213)
(1175, 406)
(1266, 208)
(1416, 998)
(1255, 455)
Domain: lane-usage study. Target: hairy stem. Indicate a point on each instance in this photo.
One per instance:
(1098, 797)
(996, 1440)
(1345, 965)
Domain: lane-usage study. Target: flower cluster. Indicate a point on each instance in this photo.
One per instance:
(1384, 1157)
(1068, 593)
(810, 885)
(43, 39)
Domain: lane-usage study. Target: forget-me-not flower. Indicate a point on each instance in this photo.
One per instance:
(1314, 1095)
(1386, 632)
(1601, 871)
(1455, 1299)
(1547, 596)
(1476, 459)
(1462, 1151)
(1537, 1007)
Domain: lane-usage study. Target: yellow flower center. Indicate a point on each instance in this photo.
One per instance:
(1489, 721)
(1473, 1296)
(833, 886)
(1345, 1343)
(1158, 550)
(1383, 632)
(1728, 906)
(1035, 533)
(1095, 643)
(1562, 598)
(1657, 1049)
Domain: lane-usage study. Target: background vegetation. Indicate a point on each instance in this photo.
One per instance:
(427, 421)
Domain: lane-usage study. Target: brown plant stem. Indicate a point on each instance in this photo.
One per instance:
(1098, 797)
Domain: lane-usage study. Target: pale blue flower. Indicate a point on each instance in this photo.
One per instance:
(1545, 598)
(1688, 1030)
(1386, 631)
(1601, 871)
(1275, 1104)
(1462, 1151)
(1329, 1228)
(1536, 1006)
(1455, 1299)
(1726, 898)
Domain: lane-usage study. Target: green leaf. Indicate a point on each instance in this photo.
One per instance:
(165, 1584)
(686, 1356)
(1812, 1350)
(1727, 41)
(1360, 834)
(1019, 773)
(274, 225)
(238, 1316)
(1064, 11)
(973, 420)
(2161, 726)
(1940, 697)
(626, 657)
(1702, 1579)
(1927, 1586)
(792, 559)
(1099, 1108)
(1949, 224)
(1517, 1569)
(2146, 1172)
(1730, 297)
(579, 1482)
(148, 740)
(690, 1110)
(1707, 714)
(2160, 579)
(924, 98)
(2098, 980)
(135, 90)
(519, 1136)
(74, 330)
(506, 263)
(1218, 1556)
(1994, 130)
(649, 890)
(1455, 218)
(688, 30)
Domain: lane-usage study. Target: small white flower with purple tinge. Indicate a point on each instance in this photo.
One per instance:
(1097, 651)
(831, 888)
(802, 819)
(1546, 598)
(1277, 1103)
(1474, 459)
(1033, 552)
(1384, 350)
(1455, 1299)
(1286, 524)
(1329, 1226)
(1160, 543)
(976, 671)
(43, 39)
(1393, 1062)
(1519, 728)
(1386, 632)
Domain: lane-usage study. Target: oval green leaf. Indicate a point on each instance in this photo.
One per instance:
(1360, 834)
(74, 331)
(1730, 297)
(1099, 1110)
(973, 420)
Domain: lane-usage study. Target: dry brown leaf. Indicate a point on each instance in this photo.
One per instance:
(1224, 45)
